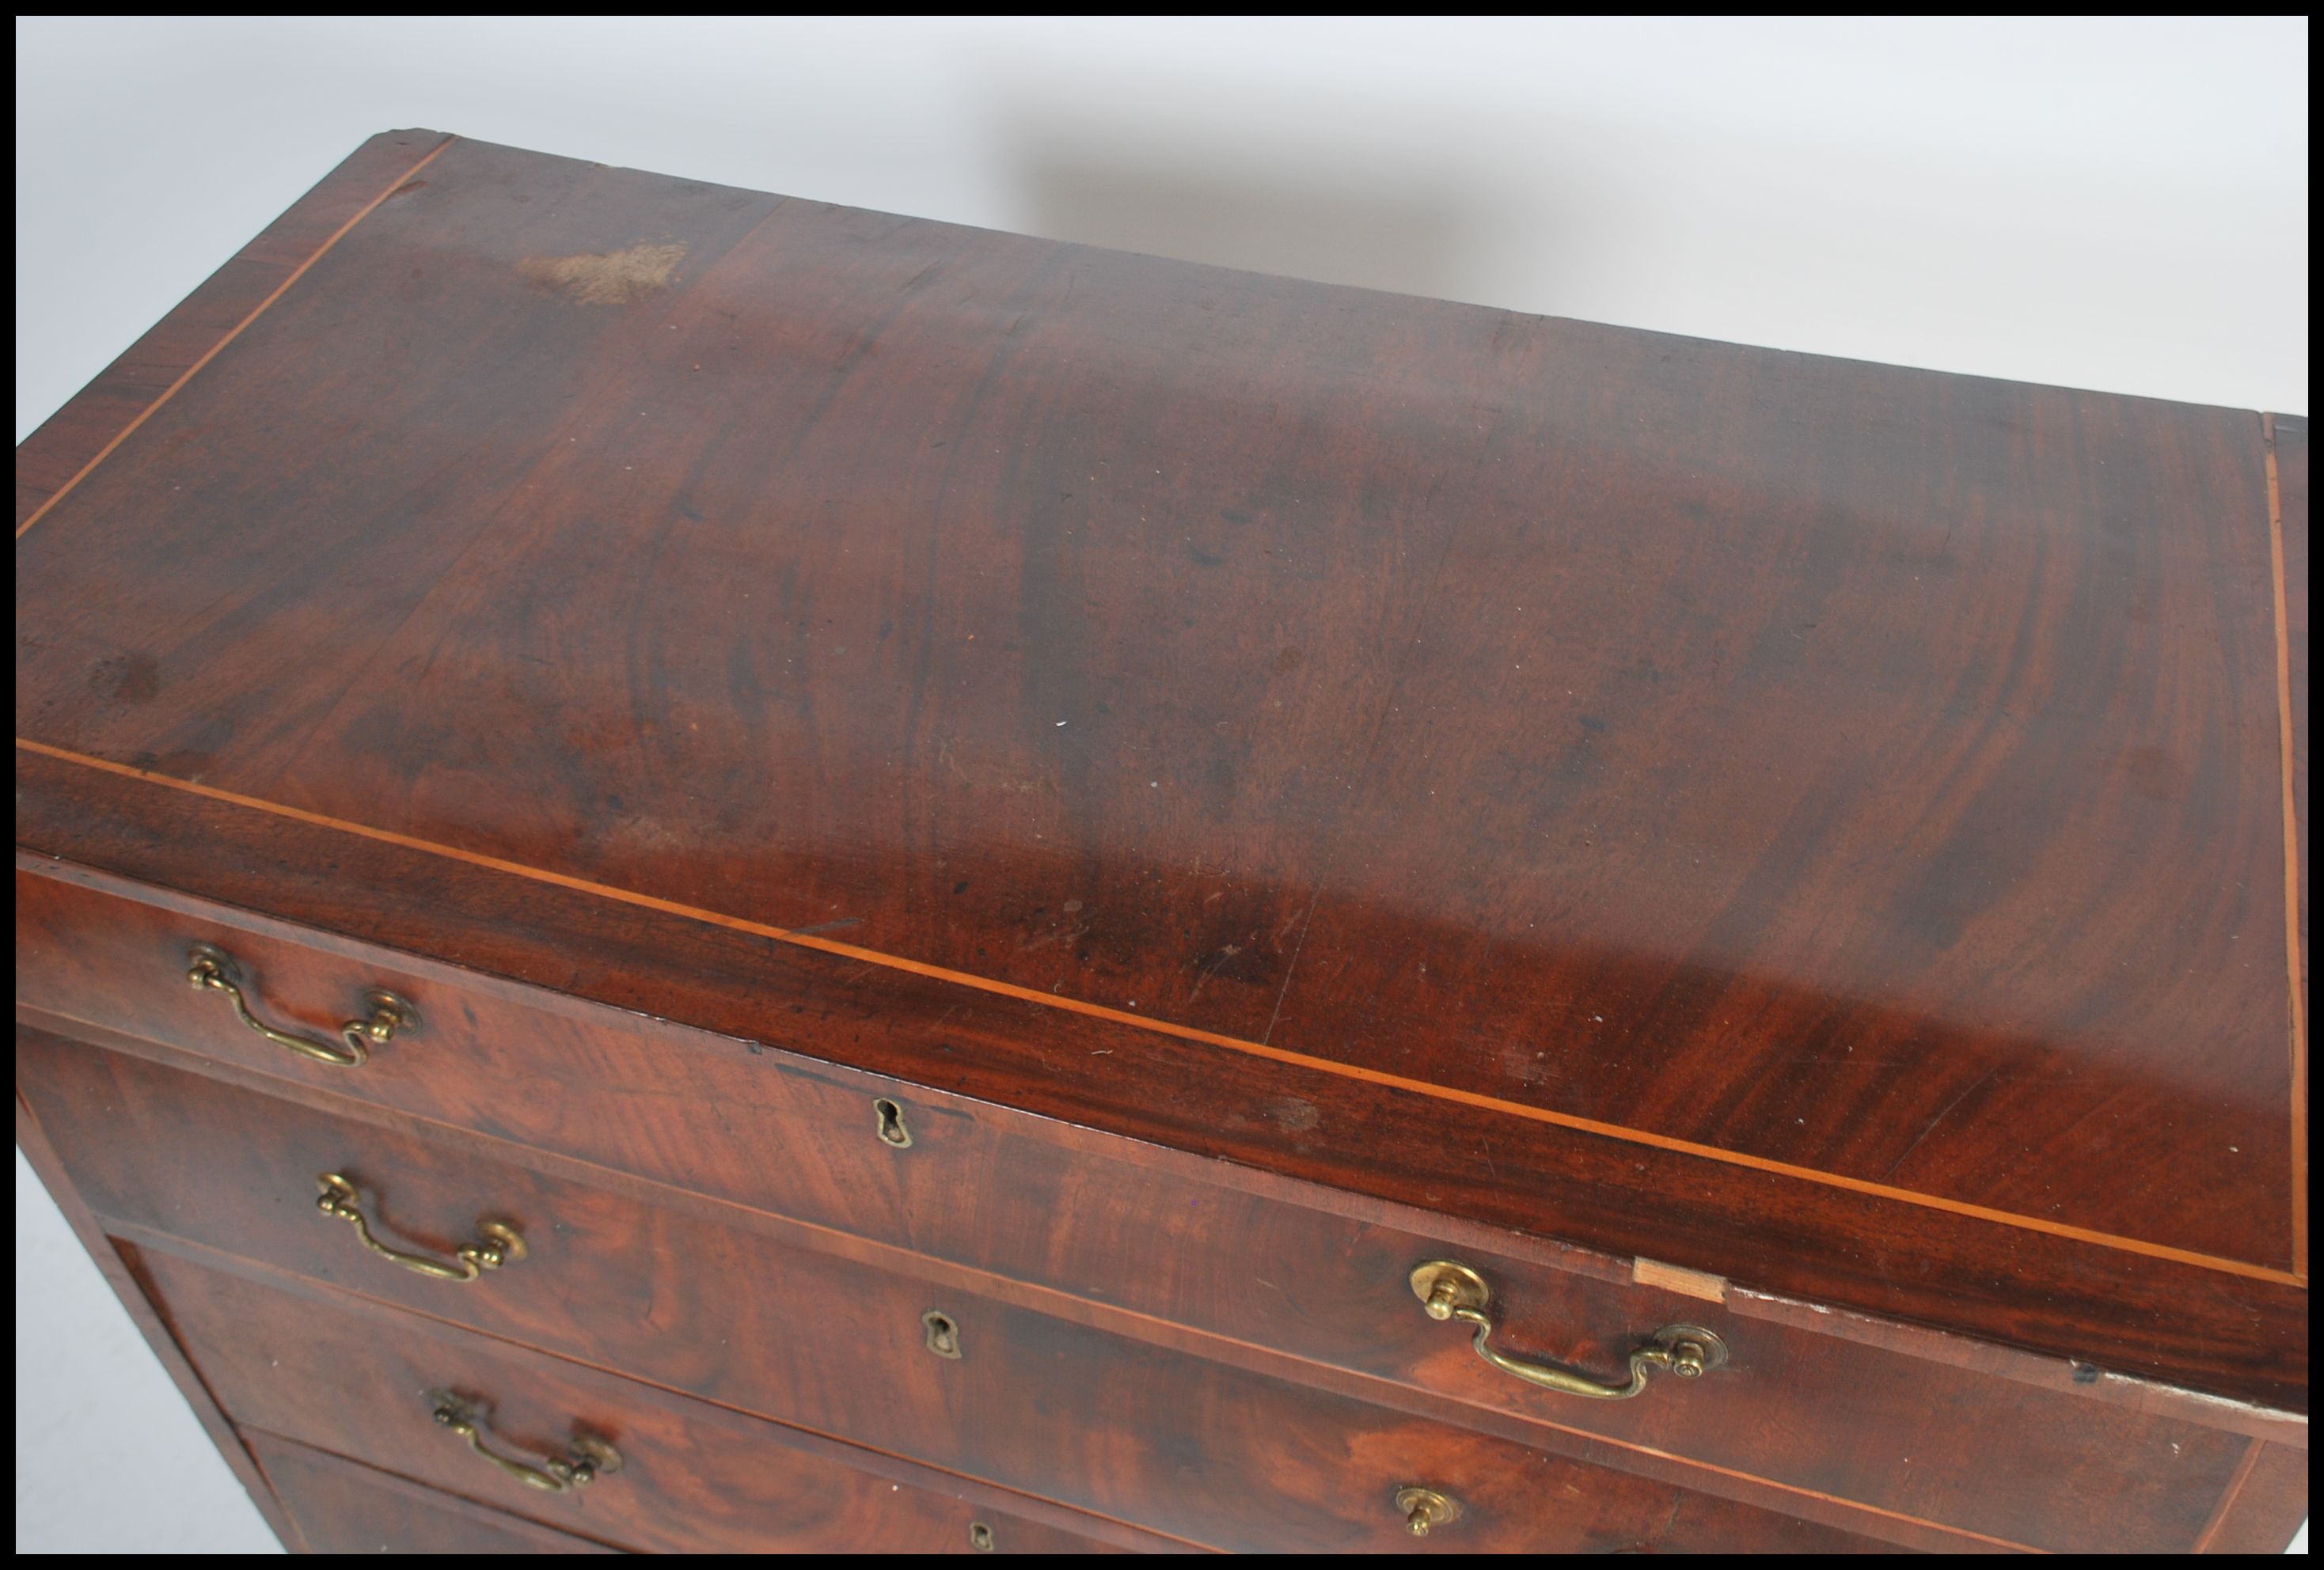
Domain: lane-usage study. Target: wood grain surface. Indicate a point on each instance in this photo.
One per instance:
(2287, 506)
(67, 446)
(355, 1381)
(32, 1141)
(1860, 770)
(535, 1066)
(341, 1507)
(676, 1296)
(1837, 829)
(346, 1376)
(2266, 1507)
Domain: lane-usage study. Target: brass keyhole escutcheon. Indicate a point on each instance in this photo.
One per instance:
(1424, 1510)
(891, 1124)
(944, 1335)
(980, 1536)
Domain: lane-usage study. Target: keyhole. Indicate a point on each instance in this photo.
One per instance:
(891, 1124)
(944, 1335)
(980, 1536)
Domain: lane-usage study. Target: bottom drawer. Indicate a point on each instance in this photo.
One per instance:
(362, 1382)
(359, 1380)
(338, 1507)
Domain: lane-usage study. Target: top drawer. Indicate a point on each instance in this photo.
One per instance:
(1283, 1266)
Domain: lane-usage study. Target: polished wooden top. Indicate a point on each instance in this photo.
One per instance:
(1818, 785)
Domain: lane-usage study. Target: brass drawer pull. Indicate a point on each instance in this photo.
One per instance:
(1424, 1509)
(587, 1457)
(498, 1243)
(213, 969)
(1448, 1290)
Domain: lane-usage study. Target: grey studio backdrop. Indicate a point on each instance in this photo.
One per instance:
(2110, 204)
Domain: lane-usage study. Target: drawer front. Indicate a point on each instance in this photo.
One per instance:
(1189, 1242)
(341, 1507)
(359, 1378)
(365, 1382)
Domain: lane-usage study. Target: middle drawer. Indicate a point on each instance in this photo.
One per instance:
(1209, 1453)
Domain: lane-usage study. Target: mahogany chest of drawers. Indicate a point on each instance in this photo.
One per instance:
(700, 872)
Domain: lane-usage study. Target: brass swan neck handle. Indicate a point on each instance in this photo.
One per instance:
(1451, 1290)
(210, 968)
(497, 1243)
(587, 1458)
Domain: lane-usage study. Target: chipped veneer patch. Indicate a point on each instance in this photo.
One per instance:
(607, 278)
(1670, 1278)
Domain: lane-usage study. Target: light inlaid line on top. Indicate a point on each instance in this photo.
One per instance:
(232, 333)
(1185, 1033)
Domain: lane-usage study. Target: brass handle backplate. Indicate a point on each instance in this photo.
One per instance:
(212, 970)
(586, 1458)
(1424, 1510)
(497, 1243)
(1449, 1290)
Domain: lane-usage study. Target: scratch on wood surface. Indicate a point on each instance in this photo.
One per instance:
(1211, 970)
(1290, 966)
(1940, 1118)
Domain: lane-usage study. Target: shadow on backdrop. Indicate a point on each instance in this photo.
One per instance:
(1438, 207)
(1405, 239)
